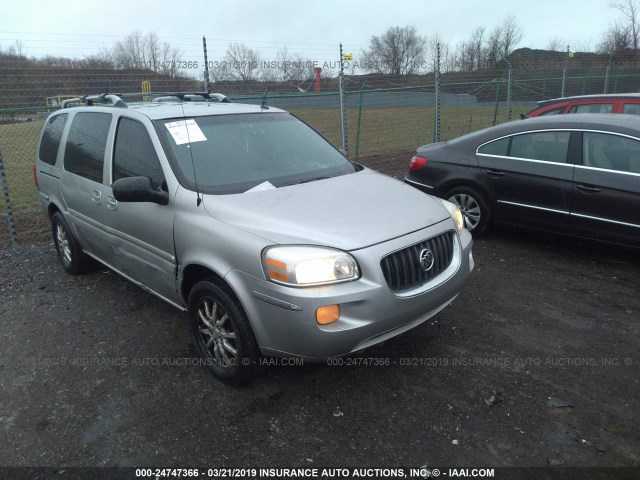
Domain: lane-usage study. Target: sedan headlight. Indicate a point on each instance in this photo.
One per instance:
(455, 212)
(301, 266)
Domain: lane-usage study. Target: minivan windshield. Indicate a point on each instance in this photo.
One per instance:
(226, 154)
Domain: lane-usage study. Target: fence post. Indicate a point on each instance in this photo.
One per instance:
(509, 85)
(359, 121)
(607, 74)
(7, 205)
(343, 110)
(564, 72)
(495, 111)
(436, 121)
(206, 65)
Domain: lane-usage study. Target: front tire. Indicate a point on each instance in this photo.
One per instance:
(222, 334)
(71, 255)
(475, 209)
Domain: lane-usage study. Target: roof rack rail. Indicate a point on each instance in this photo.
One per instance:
(116, 99)
(113, 100)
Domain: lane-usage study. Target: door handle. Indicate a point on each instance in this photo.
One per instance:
(96, 196)
(112, 203)
(495, 173)
(586, 188)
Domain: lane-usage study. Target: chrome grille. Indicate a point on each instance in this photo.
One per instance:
(403, 270)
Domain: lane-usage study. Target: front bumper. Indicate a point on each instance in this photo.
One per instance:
(283, 318)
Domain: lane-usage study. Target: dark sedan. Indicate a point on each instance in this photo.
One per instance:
(572, 174)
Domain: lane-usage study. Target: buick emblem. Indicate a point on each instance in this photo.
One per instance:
(426, 259)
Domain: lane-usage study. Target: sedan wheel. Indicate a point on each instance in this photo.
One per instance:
(474, 208)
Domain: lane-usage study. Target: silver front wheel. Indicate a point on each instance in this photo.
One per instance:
(217, 333)
(222, 333)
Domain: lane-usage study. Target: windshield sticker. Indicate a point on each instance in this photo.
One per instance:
(263, 186)
(185, 131)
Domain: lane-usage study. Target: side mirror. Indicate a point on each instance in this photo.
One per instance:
(138, 189)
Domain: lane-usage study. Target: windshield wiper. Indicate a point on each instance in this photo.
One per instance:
(313, 179)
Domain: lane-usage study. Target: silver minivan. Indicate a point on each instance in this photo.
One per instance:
(243, 216)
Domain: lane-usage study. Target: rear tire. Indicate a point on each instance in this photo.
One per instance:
(73, 259)
(222, 334)
(475, 209)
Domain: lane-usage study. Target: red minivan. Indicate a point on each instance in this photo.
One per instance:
(611, 103)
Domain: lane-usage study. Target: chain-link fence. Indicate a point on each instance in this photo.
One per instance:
(387, 117)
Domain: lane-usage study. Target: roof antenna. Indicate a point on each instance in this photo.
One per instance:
(193, 163)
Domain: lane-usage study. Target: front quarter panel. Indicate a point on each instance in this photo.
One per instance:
(202, 240)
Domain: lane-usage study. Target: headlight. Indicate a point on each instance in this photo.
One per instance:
(455, 212)
(303, 266)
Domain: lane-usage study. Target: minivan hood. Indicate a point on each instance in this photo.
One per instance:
(348, 212)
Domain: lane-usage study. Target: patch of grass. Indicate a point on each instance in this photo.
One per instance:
(18, 142)
(383, 131)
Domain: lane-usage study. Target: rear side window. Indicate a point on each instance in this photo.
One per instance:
(593, 108)
(84, 153)
(549, 146)
(611, 152)
(134, 154)
(555, 111)
(497, 147)
(631, 108)
(51, 138)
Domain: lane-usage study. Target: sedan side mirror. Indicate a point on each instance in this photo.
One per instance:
(138, 189)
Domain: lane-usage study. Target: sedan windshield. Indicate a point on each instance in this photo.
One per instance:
(224, 154)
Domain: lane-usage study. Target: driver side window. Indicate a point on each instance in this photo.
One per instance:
(134, 154)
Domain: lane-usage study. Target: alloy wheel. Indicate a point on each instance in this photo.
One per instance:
(217, 333)
(63, 245)
(469, 207)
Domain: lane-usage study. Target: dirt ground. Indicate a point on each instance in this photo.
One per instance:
(534, 364)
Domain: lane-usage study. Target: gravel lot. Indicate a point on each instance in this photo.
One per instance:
(94, 371)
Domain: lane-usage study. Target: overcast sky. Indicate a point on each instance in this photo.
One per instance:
(314, 28)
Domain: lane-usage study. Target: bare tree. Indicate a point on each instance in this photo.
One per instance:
(432, 44)
(302, 68)
(630, 9)
(511, 35)
(17, 49)
(144, 52)
(477, 49)
(285, 60)
(556, 44)
(582, 46)
(103, 58)
(398, 51)
(617, 39)
(493, 48)
(242, 62)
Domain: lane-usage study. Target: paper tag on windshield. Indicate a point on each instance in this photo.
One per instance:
(185, 131)
(263, 186)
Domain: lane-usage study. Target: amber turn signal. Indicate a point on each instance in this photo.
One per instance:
(328, 314)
